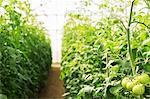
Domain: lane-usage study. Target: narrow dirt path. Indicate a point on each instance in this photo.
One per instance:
(54, 88)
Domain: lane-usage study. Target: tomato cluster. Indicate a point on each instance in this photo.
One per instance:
(136, 84)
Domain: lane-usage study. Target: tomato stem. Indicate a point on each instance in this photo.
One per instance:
(129, 43)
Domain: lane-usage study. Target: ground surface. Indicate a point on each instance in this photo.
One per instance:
(54, 88)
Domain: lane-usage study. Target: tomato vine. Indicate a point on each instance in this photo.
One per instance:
(96, 58)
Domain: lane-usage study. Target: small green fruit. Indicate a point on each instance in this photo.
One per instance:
(137, 77)
(125, 81)
(144, 78)
(130, 85)
(138, 89)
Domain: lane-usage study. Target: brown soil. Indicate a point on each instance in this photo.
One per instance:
(54, 88)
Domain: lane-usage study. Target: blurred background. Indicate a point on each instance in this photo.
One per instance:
(52, 14)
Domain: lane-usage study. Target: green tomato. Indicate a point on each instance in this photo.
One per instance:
(144, 78)
(137, 77)
(125, 81)
(138, 89)
(130, 85)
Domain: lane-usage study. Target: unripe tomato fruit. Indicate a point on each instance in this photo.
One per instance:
(130, 85)
(125, 81)
(137, 77)
(144, 78)
(138, 89)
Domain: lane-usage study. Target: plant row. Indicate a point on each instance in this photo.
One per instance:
(96, 58)
(25, 52)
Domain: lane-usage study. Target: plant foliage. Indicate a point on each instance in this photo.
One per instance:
(95, 58)
(25, 52)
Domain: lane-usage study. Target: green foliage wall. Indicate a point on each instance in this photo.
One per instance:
(25, 51)
(95, 58)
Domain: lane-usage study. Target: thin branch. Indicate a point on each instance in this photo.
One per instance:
(129, 23)
(141, 23)
(123, 25)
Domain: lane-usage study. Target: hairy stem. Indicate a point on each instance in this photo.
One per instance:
(129, 43)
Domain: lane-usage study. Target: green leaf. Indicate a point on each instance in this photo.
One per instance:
(146, 42)
(85, 89)
(147, 67)
(115, 90)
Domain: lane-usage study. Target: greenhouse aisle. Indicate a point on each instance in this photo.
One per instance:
(54, 88)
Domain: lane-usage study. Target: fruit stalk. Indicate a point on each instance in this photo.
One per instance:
(129, 43)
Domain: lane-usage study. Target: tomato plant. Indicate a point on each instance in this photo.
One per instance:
(98, 54)
(25, 52)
